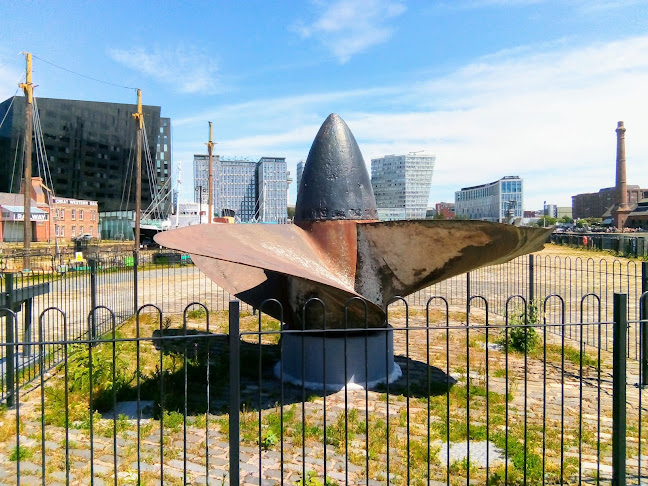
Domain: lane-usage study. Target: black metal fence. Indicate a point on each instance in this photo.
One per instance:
(123, 281)
(198, 398)
(633, 245)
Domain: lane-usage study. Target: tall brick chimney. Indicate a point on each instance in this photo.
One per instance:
(621, 209)
(621, 189)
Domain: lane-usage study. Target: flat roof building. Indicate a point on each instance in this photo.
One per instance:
(596, 204)
(246, 190)
(401, 185)
(498, 201)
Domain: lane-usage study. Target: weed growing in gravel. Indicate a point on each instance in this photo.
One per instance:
(20, 453)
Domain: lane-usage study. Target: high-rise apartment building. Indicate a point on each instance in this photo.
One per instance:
(272, 186)
(300, 171)
(496, 201)
(163, 165)
(249, 191)
(401, 185)
(89, 149)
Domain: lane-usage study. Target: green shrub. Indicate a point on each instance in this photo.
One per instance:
(103, 366)
(268, 440)
(520, 336)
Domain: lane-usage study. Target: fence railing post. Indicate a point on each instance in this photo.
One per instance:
(468, 290)
(9, 334)
(235, 385)
(643, 315)
(135, 265)
(531, 280)
(93, 298)
(619, 334)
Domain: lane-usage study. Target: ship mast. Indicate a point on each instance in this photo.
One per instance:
(28, 88)
(139, 118)
(210, 181)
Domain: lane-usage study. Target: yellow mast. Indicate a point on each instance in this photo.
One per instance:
(28, 88)
(210, 180)
(139, 118)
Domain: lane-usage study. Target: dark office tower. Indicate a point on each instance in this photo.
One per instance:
(90, 148)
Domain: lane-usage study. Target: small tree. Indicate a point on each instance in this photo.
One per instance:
(566, 219)
(546, 221)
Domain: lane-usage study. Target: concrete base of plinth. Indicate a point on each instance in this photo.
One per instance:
(369, 360)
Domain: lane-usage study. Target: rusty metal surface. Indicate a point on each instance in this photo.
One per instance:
(401, 257)
(338, 260)
(337, 251)
(335, 183)
(284, 262)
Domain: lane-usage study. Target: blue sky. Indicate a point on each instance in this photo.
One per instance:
(492, 87)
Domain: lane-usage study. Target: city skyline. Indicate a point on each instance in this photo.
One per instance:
(492, 87)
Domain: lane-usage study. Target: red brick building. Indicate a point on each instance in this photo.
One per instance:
(445, 209)
(51, 217)
(595, 204)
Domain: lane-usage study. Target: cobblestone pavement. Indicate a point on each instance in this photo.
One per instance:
(557, 406)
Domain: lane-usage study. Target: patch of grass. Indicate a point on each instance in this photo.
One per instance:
(173, 420)
(500, 373)
(312, 480)
(198, 313)
(20, 453)
(572, 355)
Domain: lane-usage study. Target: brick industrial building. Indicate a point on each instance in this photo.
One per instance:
(51, 217)
(595, 204)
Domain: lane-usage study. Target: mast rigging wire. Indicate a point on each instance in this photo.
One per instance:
(83, 75)
(9, 109)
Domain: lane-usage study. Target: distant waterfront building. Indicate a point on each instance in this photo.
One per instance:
(300, 171)
(88, 146)
(563, 211)
(495, 201)
(551, 210)
(401, 185)
(272, 186)
(249, 191)
(445, 209)
(596, 204)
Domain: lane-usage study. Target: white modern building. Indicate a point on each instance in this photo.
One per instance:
(246, 190)
(401, 185)
(499, 201)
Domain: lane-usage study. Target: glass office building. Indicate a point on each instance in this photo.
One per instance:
(497, 201)
(401, 185)
(300, 173)
(89, 148)
(163, 165)
(272, 186)
(249, 191)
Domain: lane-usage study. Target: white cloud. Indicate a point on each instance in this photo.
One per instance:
(348, 27)
(546, 114)
(548, 117)
(187, 69)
